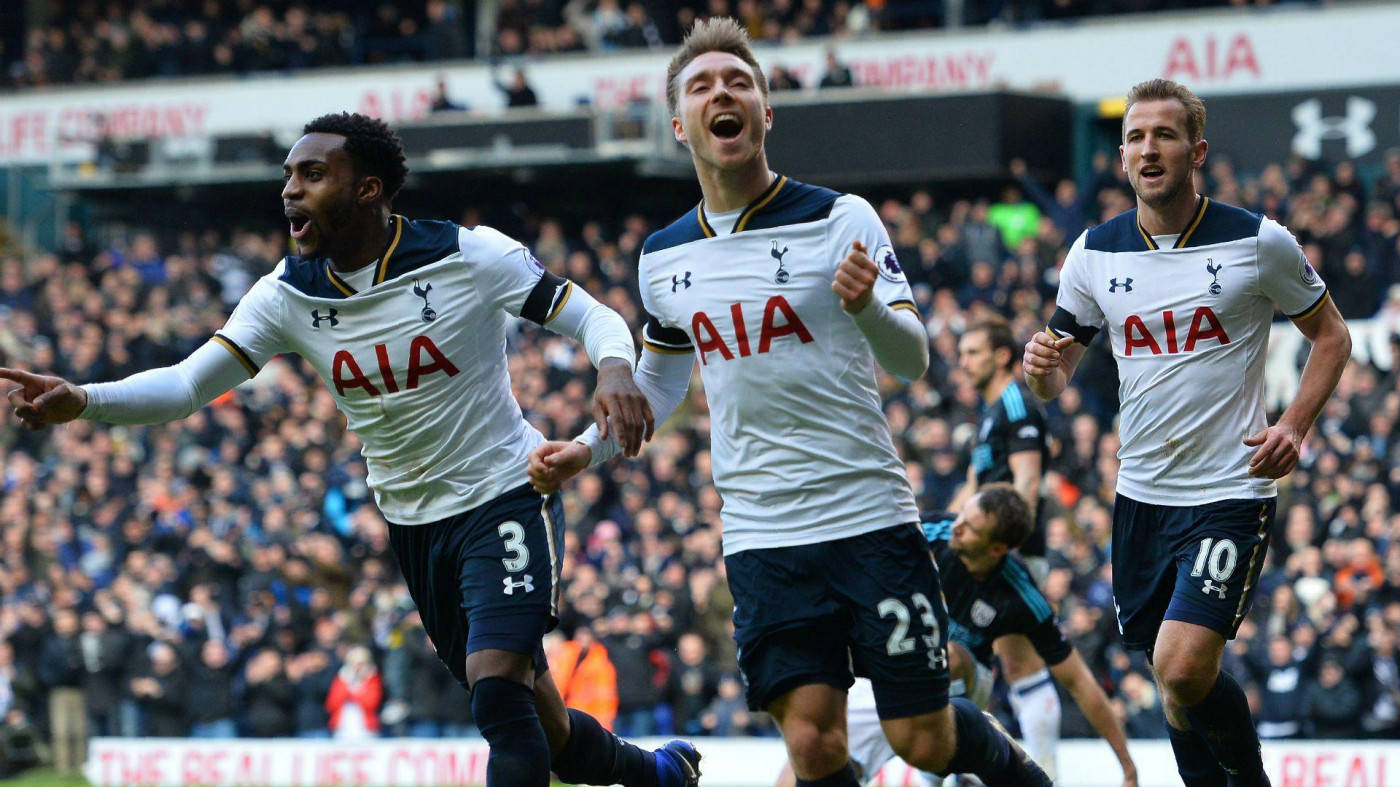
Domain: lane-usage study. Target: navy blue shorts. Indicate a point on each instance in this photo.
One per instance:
(487, 577)
(871, 603)
(1197, 564)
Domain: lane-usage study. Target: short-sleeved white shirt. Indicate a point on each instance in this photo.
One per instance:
(1188, 317)
(416, 361)
(800, 447)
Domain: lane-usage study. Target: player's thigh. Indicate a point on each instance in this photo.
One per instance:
(507, 573)
(1144, 567)
(426, 558)
(789, 629)
(1218, 565)
(812, 719)
(899, 632)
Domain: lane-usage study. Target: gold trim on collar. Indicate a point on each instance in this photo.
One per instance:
(1196, 222)
(383, 271)
(758, 204)
(337, 282)
(704, 225)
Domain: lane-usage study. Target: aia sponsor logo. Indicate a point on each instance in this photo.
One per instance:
(779, 319)
(1205, 326)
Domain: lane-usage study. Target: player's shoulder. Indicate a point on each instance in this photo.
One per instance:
(418, 243)
(1119, 234)
(1222, 223)
(309, 276)
(795, 202)
(1017, 577)
(689, 228)
(1018, 403)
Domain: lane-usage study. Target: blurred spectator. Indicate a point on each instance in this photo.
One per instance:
(442, 102)
(311, 674)
(518, 92)
(62, 671)
(19, 743)
(586, 677)
(693, 685)
(210, 696)
(1332, 704)
(105, 654)
(356, 693)
(1280, 673)
(635, 650)
(837, 74)
(161, 692)
(268, 697)
(780, 78)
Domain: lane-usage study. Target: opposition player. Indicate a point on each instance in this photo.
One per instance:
(1187, 287)
(405, 321)
(822, 548)
(1012, 443)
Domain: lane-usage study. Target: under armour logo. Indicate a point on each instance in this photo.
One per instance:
(781, 276)
(427, 314)
(1355, 127)
(678, 282)
(1211, 587)
(1126, 284)
(316, 318)
(937, 656)
(1214, 270)
(511, 585)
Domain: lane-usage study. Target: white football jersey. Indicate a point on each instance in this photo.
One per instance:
(1188, 317)
(416, 361)
(800, 448)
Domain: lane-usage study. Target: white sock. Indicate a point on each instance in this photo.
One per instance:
(1037, 707)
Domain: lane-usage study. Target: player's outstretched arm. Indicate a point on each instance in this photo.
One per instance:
(40, 401)
(1074, 675)
(154, 396)
(1049, 363)
(897, 337)
(1276, 448)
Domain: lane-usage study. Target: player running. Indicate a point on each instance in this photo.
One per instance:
(1187, 288)
(824, 556)
(405, 322)
(993, 606)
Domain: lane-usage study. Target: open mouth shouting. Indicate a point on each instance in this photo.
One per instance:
(300, 224)
(727, 126)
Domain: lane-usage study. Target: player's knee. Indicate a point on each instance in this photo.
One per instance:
(1184, 680)
(924, 744)
(815, 750)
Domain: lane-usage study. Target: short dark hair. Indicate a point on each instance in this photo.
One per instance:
(373, 147)
(1165, 90)
(1011, 515)
(716, 34)
(998, 332)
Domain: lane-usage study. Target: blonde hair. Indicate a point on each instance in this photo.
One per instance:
(1166, 89)
(716, 34)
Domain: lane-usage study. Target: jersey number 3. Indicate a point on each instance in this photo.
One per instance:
(514, 535)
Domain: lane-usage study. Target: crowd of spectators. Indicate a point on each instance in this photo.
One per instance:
(86, 41)
(229, 573)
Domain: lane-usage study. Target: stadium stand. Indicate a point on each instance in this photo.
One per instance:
(242, 543)
(81, 41)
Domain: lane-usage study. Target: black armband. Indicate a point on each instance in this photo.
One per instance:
(1063, 323)
(546, 299)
